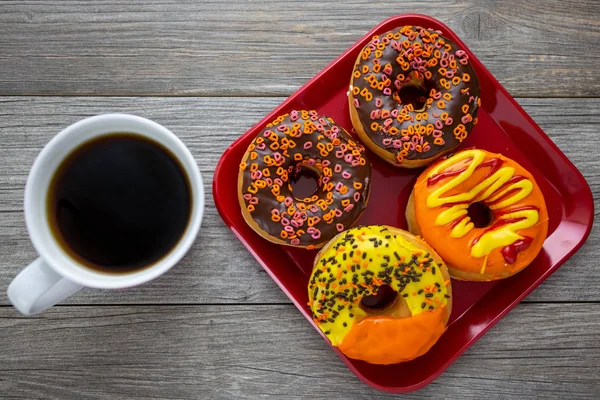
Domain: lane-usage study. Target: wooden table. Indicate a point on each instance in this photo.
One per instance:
(217, 326)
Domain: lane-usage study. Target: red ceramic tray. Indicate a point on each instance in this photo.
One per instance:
(503, 127)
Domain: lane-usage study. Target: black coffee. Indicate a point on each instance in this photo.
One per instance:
(119, 203)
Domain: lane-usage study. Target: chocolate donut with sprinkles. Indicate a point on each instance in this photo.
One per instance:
(380, 294)
(413, 59)
(294, 143)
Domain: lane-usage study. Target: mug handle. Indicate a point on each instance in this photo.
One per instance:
(38, 288)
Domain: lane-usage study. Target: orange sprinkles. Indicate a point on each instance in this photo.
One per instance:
(421, 58)
(321, 148)
(342, 278)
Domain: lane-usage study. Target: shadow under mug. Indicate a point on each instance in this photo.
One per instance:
(55, 275)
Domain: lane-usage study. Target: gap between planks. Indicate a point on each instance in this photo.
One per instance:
(241, 96)
(259, 304)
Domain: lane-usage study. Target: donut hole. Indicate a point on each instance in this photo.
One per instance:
(415, 95)
(383, 299)
(304, 181)
(480, 214)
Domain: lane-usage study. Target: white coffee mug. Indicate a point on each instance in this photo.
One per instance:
(55, 275)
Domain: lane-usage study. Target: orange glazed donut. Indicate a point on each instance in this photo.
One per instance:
(442, 205)
(380, 294)
(294, 143)
(420, 60)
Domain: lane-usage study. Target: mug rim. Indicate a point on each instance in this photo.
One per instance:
(46, 244)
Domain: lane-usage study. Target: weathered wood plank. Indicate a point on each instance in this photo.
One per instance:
(216, 48)
(207, 274)
(247, 352)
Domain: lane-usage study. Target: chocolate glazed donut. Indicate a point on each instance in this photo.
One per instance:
(421, 59)
(303, 140)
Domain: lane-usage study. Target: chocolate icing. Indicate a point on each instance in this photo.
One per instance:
(304, 139)
(416, 37)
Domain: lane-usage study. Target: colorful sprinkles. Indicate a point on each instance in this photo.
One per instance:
(423, 59)
(293, 142)
(362, 260)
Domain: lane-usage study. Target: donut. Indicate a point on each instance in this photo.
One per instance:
(515, 219)
(294, 143)
(418, 59)
(359, 265)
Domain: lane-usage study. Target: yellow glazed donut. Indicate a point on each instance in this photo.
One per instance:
(360, 264)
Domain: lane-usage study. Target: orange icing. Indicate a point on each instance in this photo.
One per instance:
(444, 191)
(385, 340)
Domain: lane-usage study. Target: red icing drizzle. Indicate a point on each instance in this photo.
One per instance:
(494, 163)
(443, 175)
(514, 179)
(524, 208)
(496, 225)
(457, 221)
(510, 252)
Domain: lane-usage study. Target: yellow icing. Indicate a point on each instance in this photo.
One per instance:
(377, 252)
(449, 215)
(462, 228)
(482, 192)
(506, 234)
(525, 187)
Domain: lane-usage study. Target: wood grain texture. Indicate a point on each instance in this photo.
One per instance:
(217, 326)
(208, 275)
(248, 352)
(269, 47)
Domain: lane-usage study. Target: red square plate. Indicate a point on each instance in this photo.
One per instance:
(503, 127)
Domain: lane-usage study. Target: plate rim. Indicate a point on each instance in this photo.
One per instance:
(586, 197)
